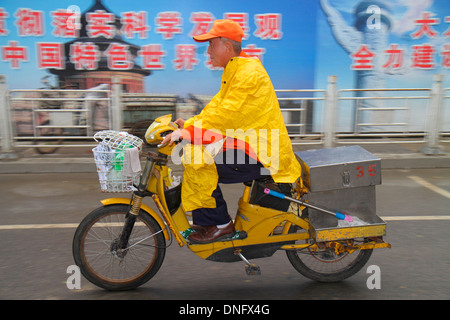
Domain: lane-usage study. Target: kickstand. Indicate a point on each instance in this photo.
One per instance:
(250, 268)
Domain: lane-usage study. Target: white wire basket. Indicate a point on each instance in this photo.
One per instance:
(117, 160)
(118, 139)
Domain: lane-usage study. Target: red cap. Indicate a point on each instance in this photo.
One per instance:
(222, 28)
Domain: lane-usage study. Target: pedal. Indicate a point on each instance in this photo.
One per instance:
(250, 268)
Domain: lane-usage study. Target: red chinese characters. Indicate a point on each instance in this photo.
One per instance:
(423, 56)
(269, 26)
(202, 22)
(446, 56)
(168, 24)
(29, 22)
(66, 23)
(152, 55)
(425, 26)
(50, 55)
(99, 24)
(395, 60)
(119, 57)
(14, 54)
(84, 55)
(134, 22)
(363, 58)
(185, 57)
(3, 16)
(447, 33)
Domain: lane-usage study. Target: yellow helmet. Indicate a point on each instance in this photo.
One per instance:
(160, 128)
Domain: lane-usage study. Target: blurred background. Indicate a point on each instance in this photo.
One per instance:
(343, 70)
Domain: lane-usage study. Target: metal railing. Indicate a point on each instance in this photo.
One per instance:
(305, 99)
(390, 105)
(57, 114)
(399, 105)
(312, 116)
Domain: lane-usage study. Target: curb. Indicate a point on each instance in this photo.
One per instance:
(55, 165)
(414, 161)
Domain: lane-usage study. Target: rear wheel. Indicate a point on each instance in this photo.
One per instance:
(46, 145)
(102, 262)
(325, 265)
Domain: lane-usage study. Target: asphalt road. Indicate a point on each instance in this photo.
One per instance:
(39, 213)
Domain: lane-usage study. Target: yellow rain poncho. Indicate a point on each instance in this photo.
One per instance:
(246, 108)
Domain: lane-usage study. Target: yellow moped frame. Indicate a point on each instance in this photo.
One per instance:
(258, 222)
(146, 208)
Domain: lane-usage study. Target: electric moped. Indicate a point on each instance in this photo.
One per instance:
(121, 245)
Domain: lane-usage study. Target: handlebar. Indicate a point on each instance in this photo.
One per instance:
(153, 155)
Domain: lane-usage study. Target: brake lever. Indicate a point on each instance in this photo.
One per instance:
(161, 145)
(164, 144)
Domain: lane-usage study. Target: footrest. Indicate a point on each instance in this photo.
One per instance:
(238, 235)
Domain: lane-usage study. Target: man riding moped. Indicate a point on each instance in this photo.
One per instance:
(239, 136)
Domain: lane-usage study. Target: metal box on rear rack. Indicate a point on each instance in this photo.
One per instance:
(342, 179)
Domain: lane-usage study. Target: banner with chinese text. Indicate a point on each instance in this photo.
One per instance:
(404, 42)
(376, 44)
(367, 44)
(154, 39)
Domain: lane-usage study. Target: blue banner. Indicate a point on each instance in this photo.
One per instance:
(153, 41)
(366, 44)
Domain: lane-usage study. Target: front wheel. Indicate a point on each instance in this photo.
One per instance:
(96, 251)
(326, 265)
(46, 145)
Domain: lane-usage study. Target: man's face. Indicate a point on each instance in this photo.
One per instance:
(219, 52)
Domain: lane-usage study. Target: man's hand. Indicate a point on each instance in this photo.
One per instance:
(176, 135)
(180, 123)
(173, 137)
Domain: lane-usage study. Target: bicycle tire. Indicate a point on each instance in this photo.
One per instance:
(322, 269)
(46, 146)
(111, 275)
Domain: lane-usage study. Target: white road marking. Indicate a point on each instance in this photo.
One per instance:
(116, 224)
(414, 218)
(430, 186)
(38, 226)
